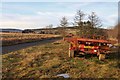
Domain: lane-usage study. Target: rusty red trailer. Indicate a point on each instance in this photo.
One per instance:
(88, 46)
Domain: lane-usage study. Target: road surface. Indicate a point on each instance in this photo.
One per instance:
(7, 49)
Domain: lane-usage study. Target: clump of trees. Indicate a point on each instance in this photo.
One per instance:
(85, 28)
(49, 28)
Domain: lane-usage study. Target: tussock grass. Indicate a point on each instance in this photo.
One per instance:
(48, 60)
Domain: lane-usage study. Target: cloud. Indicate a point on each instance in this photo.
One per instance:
(78, 5)
(41, 19)
(59, 0)
(32, 15)
(23, 21)
(56, 14)
(111, 20)
(113, 17)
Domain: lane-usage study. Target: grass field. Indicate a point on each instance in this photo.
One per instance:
(16, 38)
(51, 59)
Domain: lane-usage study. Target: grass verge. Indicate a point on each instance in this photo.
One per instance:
(51, 59)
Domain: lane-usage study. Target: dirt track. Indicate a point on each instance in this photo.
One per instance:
(7, 49)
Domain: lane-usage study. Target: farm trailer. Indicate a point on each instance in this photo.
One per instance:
(88, 46)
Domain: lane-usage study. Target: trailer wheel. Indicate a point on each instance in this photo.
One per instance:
(71, 53)
(101, 56)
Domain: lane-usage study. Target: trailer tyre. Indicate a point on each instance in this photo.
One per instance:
(71, 53)
(101, 56)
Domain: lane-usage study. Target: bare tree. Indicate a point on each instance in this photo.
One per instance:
(95, 24)
(79, 22)
(49, 28)
(94, 19)
(63, 24)
(79, 18)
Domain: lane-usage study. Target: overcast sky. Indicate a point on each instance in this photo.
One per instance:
(27, 15)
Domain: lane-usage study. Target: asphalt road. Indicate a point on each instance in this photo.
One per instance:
(7, 49)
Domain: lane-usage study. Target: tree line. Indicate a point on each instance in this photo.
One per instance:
(85, 28)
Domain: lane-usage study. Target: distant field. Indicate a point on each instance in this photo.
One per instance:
(16, 38)
(49, 60)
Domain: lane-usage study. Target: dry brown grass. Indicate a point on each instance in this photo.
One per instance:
(51, 59)
(16, 38)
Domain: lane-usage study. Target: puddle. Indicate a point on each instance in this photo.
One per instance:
(64, 75)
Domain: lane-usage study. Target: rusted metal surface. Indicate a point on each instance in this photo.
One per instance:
(87, 40)
(91, 46)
